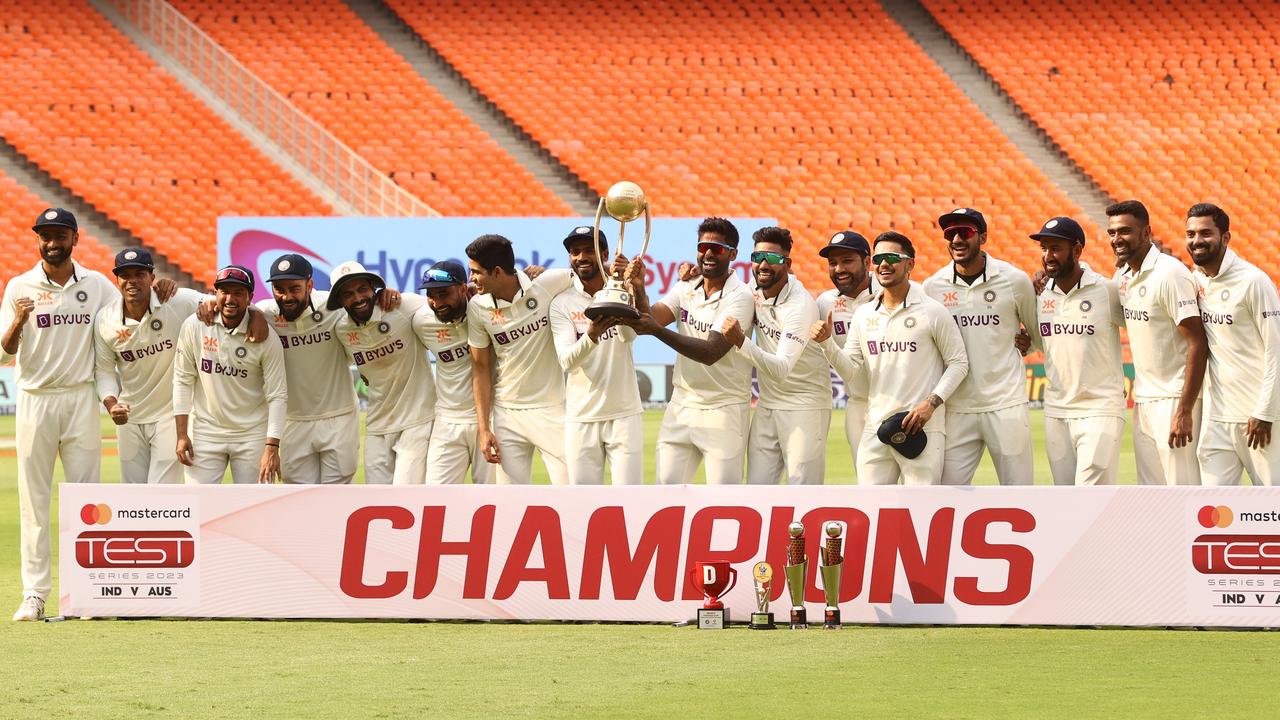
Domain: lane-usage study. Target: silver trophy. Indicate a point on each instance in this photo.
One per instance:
(762, 619)
(831, 567)
(796, 569)
(624, 202)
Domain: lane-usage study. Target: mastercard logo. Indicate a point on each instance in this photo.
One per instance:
(1211, 516)
(99, 514)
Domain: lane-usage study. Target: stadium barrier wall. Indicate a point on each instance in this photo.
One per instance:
(938, 555)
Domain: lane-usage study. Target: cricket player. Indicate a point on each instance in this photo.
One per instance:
(394, 365)
(602, 397)
(515, 374)
(788, 434)
(1167, 340)
(1080, 319)
(707, 418)
(235, 389)
(848, 257)
(441, 325)
(47, 320)
(990, 300)
(1241, 313)
(135, 345)
(913, 357)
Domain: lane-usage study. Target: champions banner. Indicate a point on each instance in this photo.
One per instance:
(938, 555)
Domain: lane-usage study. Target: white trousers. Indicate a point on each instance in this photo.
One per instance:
(51, 425)
(880, 464)
(1225, 455)
(520, 432)
(398, 458)
(1083, 451)
(716, 437)
(147, 453)
(213, 456)
(1159, 464)
(454, 448)
(788, 446)
(323, 451)
(621, 441)
(1005, 433)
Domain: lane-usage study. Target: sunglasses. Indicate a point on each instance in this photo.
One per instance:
(891, 258)
(773, 258)
(441, 275)
(712, 248)
(232, 274)
(964, 232)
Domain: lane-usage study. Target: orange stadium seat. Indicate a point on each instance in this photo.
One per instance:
(825, 116)
(18, 252)
(335, 68)
(93, 110)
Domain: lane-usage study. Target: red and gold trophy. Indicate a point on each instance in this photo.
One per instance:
(715, 579)
(832, 564)
(796, 569)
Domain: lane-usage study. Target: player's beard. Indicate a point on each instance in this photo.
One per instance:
(55, 256)
(770, 281)
(451, 312)
(586, 272)
(296, 311)
(361, 315)
(849, 285)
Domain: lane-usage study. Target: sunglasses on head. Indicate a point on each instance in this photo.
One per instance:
(232, 274)
(712, 248)
(764, 256)
(964, 232)
(889, 257)
(441, 275)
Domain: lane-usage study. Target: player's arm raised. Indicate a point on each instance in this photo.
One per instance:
(13, 316)
(795, 333)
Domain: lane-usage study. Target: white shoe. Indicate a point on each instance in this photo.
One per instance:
(31, 610)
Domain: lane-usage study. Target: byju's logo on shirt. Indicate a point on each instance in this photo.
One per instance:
(370, 355)
(48, 320)
(693, 322)
(131, 355)
(213, 367)
(511, 336)
(880, 347)
(454, 354)
(1048, 329)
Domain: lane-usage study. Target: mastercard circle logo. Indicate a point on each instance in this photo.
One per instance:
(1215, 517)
(99, 514)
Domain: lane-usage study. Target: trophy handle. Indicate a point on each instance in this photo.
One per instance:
(596, 235)
(648, 226)
(733, 580)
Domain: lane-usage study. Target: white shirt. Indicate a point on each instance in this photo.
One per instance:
(601, 376)
(1155, 299)
(235, 386)
(728, 381)
(316, 364)
(55, 351)
(394, 364)
(1241, 313)
(989, 313)
(841, 308)
(455, 399)
(527, 372)
(792, 371)
(907, 354)
(1080, 331)
(141, 353)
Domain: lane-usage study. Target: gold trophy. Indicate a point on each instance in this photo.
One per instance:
(762, 619)
(624, 202)
(796, 569)
(832, 564)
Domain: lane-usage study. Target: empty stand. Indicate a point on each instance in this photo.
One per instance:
(18, 251)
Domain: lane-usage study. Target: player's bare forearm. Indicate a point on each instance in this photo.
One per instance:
(11, 338)
(707, 352)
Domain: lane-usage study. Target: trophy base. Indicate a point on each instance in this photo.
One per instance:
(713, 618)
(831, 619)
(611, 309)
(799, 619)
(762, 621)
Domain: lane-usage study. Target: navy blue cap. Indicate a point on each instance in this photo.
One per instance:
(960, 214)
(445, 273)
(892, 434)
(133, 257)
(234, 275)
(56, 217)
(1060, 228)
(583, 232)
(290, 267)
(848, 240)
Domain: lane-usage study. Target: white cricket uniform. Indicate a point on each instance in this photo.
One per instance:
(402, 392)
(235, 395)
(707, 418)
(1084, 401)
(57, 408)
(603, 413)
(455, 445)
(989, 410)
(321, 442)
(841, 308)
(133, 362)
(1155, 300)
(788, 436)
(907, 354)
(1241, 313)
(528, 391)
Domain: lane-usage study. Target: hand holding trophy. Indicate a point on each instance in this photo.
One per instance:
(624, 202)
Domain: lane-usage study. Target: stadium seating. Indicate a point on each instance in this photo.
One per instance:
(331, 65)
(94, 111)
(1174, 112)
(824, 116)
(18, 252)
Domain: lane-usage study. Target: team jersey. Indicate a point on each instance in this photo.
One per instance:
(527, 372)
(455, 400)
(989, 314)
(141, 354)
(728, 381)
(907, 354)
(1154, 300)
(793, 373)
(1080, 333)
(1241, 314)
(228, 384)
(393, 364)
(316, 364)
(600, 381)
(841, 307)
(55, 351)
